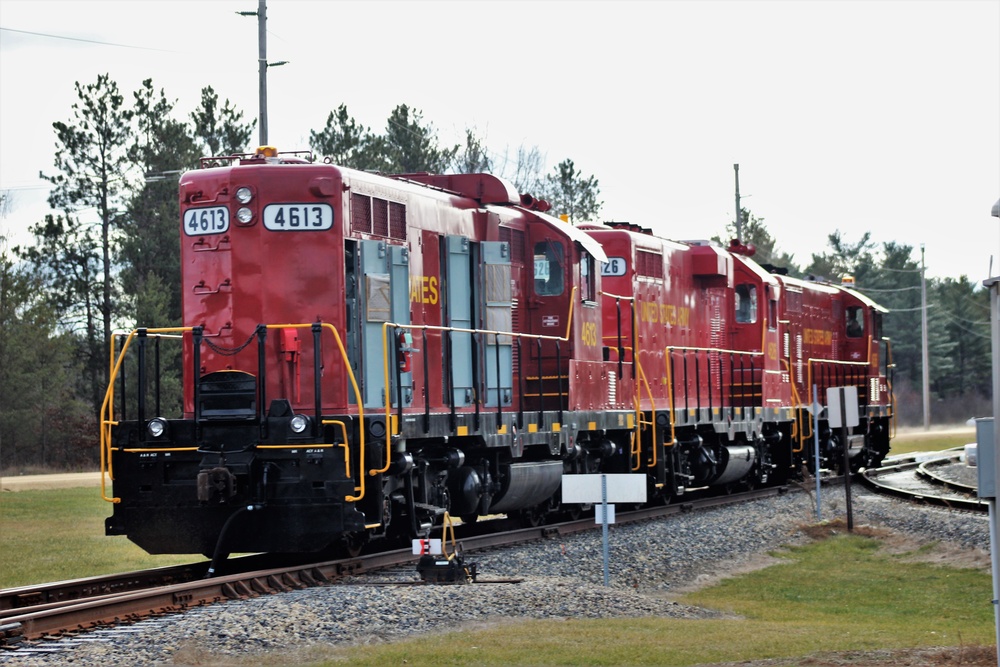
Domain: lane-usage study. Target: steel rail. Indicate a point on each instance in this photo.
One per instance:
(874, 480)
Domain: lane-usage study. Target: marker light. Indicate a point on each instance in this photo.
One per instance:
(244, 195)
(244, 215)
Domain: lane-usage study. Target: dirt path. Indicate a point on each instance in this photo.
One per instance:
(56, 481)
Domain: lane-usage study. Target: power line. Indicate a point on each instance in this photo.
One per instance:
(886, 290)
(909, 310)
(88, 41)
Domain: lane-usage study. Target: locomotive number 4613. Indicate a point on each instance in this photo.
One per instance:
(298, 217)
(212, 220)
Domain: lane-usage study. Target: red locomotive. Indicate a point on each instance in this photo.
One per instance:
(363, 353)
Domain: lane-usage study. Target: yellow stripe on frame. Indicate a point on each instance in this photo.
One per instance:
(502, 430)
(462, 430)
(532, 428)
(591, 426)
(556, 428)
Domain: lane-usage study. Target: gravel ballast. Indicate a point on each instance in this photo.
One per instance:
(651, 563)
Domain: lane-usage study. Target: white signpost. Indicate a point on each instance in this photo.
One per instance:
(842, 413)
(604, 489)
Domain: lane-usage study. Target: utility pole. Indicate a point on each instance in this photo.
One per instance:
(923, 339)
(262, 66)
(739, 212)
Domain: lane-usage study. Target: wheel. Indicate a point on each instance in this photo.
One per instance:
(532, 517)
(354, 543)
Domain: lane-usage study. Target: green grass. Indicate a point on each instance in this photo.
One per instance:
(59, 534)
(920, 441)
(838, 594)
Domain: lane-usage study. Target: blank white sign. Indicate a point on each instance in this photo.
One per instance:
(622, 488)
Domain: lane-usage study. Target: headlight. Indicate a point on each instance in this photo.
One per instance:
(156, 427)
(299, 424)
(244, 215)
(244, 195)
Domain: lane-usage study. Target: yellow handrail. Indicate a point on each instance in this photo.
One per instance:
(636, 358)
(360, 490)
(108, 421)
(107, 407)
(442, 329)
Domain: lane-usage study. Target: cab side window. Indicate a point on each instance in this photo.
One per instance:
(588, 286)
(746, 303)
(854, 322)
(548, 269)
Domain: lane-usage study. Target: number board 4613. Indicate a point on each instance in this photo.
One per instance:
(298, 217)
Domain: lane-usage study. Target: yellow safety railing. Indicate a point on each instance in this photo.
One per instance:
(360, 487)
(430, 327)
(108, 421)
(639, 421)
(107, 415)
(889, 363)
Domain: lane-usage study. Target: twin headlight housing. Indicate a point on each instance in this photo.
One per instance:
(244, 214)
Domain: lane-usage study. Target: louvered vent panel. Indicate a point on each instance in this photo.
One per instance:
(515, 325)
(517, 246)
(361, 214)
(380, 217)
(397, 221)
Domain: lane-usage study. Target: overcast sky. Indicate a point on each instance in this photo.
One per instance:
(853, 116)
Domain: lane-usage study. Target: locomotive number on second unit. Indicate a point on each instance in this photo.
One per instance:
(298, 217)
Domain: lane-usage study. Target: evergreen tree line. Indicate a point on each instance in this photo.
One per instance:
(107, 258)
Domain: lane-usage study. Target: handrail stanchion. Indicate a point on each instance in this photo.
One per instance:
(317, 329)
(262, 377)
(477, 382)
(449, 364)
(520, 384)
(156, 370)
(196, 336)
(140, 382)
(398, 347)
(541, 388)
(427, 393)
(559, 384)
(496, 340)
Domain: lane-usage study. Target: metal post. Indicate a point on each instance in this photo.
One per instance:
(995, 566)
(923, 340)
(739, 213)
(819, 513)
(994, 286)
(847, 460)
(604, 523)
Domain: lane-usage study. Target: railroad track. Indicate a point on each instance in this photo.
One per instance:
(67, 609)
(922, 481)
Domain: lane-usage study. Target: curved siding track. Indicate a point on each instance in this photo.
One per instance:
(936, 481)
